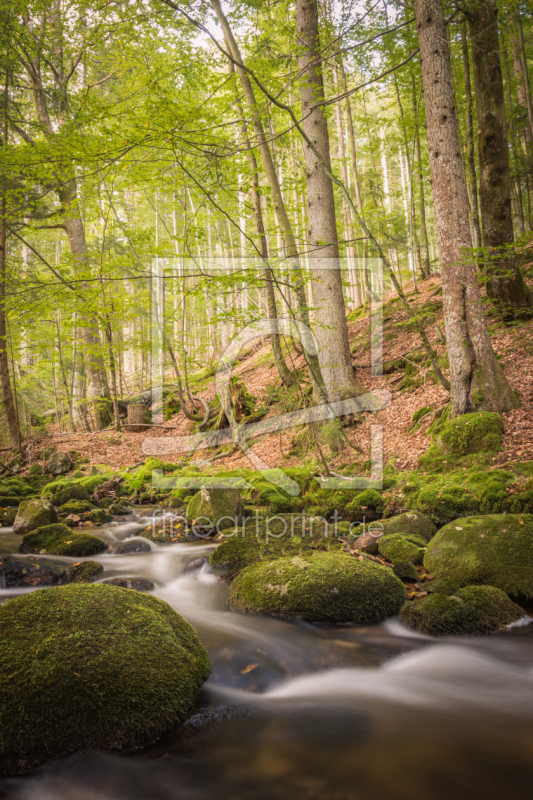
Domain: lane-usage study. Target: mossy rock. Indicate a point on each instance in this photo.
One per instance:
(117, 508)
(473, 610)
(35, 470)
(405, 570)
(367, 504)
(218, 508)
(84, 572)
(34, 514)
(92, 668)
(408, 523)
(402, 547)
(59, 540)
(444, 505)
(285, 535)
(132, 584)
(75, 507)
(92, 482)
(480, 432)
(99, 516)
(10, 500)
(71, 491)
(319, 587)
(496, 550)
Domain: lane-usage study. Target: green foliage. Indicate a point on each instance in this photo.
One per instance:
(321, 587)
(104, 669)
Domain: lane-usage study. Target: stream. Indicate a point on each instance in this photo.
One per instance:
(298, 710)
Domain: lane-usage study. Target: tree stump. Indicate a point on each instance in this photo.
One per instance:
(137, 417)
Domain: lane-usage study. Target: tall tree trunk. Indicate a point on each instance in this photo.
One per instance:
(425, 260)
(516, 181)
(470, 149)
(477, 380)
(331, 329)
(97, 388)
(7, 393)
(523, 88)
(505, 285)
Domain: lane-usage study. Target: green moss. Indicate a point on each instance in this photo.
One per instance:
(72, 491)
(473, 610)
(34, 514)
(402, 547)
(471, 433)
(85, 572)
(99, 516)
(7, 516)
(217, 507)
(496, 550)
(285, 535)
(92, 668)
(443, 506)
(368, 504)
(405, 570)
(409, 522)
(34, 470)
(92, 482)
(75, 507)
(60, 540)
(328, 587)
(422, 412)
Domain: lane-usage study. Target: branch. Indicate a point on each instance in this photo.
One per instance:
(45, 262)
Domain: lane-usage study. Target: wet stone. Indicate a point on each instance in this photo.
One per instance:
(132, 547)
(16, 571)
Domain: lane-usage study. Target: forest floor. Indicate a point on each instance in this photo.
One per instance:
(411, 383)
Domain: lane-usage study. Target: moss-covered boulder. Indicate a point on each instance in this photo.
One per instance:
(35, 470)
(260, 540)
(69, 491)
(75, 507)
(98, 516)
(405, 570)
(402, 547)
(60, 540)
(472, 610)
(444, 505)
(480, 432)
(92, 667)
(496, 550)
(410, 522)
(217, 508)
(84, 572)
(34, 514)
(325, 587)
(366, 505)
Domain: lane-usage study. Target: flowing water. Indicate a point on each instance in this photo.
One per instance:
(294, 710)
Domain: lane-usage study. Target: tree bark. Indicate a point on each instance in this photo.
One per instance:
(331, 329)
(505, 285)
(477, 380)
(470, 149)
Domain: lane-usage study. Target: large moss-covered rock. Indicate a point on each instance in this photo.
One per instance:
(84, 572)
(366, 505)
(92, 667)
(405, 570)
(496, 550)
(444, 505)
(34, 514)
(60, 540)
(218, 508)
(410, 522)
(70, 491)
(472, 610)
(75, 507)
(402, 547)
(471, 433)
(286, 534)
(327, 587)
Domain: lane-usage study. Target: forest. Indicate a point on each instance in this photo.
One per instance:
(266, 432)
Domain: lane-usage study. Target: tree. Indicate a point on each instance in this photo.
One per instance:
(477, 380)
(505, 284)
(331, 331)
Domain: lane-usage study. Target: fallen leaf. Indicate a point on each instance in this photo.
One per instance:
(249, 668)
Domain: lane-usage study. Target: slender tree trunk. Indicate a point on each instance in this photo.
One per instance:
(98, 390)
(470, 148)
(523, 88)
(331, 329)
(505, 285)
(425, 260)
(516, 182)
(68, 396)
(113, 372)
(7, 393)
(477, 380)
